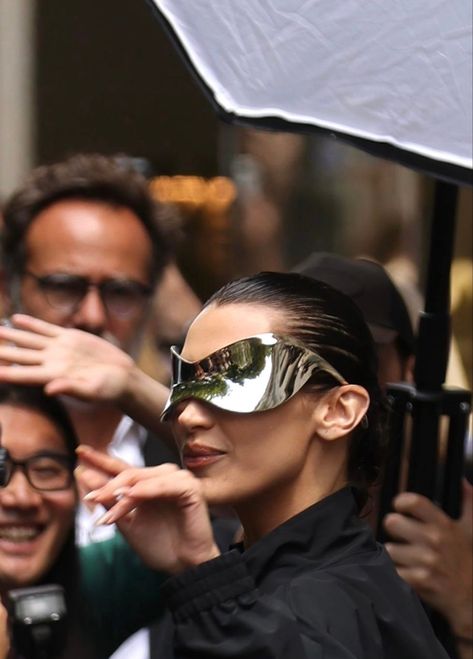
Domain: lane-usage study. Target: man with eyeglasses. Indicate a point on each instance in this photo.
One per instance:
(84, 246)
(48, 471)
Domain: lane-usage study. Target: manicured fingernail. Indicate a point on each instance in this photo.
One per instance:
(105, 519)
(121, 492)
(90, 496)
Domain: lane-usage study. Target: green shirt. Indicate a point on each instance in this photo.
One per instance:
(120, 593)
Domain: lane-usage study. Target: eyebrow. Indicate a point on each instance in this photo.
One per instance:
(42, 454)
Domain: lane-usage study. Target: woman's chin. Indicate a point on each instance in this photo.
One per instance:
(217, 494)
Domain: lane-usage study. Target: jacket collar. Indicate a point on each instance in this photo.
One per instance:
(324, 533)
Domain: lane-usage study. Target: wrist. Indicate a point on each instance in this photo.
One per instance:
(197, 559)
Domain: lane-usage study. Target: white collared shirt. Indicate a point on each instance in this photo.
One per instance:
(127, 444)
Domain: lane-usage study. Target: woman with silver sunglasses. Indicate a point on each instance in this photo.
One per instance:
(277, 413)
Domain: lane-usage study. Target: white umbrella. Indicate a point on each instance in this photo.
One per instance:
(396, 77)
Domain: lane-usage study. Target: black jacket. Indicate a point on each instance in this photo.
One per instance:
(316, 587)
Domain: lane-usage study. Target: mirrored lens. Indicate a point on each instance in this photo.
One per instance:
(251, 375)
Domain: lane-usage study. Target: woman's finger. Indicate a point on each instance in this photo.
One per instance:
(115, 466)
(107, 494)
(119, 510)
(181, 487)
(111, 465)
(90, 479)
(166, 485)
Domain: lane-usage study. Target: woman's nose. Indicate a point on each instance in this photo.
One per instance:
(192, 413)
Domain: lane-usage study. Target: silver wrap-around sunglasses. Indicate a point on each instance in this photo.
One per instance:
(251, 375)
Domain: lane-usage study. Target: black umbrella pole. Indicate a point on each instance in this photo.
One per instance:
(429, 398)
(433, 344)
(434, 324)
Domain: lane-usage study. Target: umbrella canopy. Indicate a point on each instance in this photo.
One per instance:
(394, 78)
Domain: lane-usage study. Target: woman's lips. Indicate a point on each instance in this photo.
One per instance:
(196, 457)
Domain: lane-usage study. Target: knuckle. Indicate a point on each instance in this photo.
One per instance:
(430, 561)
(391, 521)
(435, 537)
(420, 577)
(407, 501)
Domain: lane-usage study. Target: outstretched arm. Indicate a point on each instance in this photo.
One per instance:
(434, 554)
(76, 363)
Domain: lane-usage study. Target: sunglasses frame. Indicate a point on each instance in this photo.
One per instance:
(274, 367)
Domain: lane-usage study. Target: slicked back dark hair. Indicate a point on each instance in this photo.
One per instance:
(111, 180)
(329, 323)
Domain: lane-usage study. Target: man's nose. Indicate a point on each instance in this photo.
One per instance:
(19, 493)
(91, 314)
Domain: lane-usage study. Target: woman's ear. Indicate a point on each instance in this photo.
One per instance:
(340, 410)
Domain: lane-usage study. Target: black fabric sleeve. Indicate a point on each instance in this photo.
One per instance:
(218, 612)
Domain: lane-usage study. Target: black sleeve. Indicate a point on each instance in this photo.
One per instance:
(218, 612)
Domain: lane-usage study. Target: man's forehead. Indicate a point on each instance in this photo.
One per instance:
(82, 234)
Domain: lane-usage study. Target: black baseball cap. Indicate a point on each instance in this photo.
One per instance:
(370, 287)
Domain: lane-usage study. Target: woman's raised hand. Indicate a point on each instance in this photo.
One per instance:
(160, 510)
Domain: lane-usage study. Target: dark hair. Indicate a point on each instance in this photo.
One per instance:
(111, 180)
(34, 398)
(328, 322)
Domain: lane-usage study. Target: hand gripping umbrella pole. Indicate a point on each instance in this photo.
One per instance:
(435, 459)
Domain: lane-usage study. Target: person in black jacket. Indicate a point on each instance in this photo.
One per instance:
(277, 412)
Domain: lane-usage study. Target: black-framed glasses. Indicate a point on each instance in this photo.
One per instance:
(65, 292)
(46, 471)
